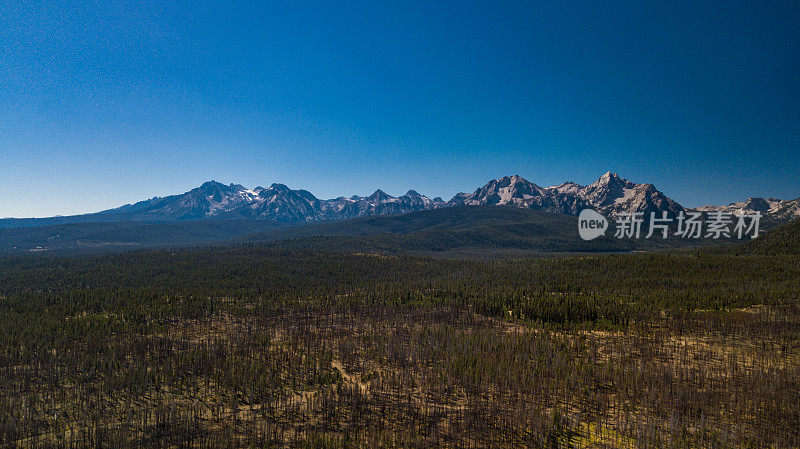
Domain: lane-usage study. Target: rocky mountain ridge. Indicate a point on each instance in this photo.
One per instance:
(610, 195)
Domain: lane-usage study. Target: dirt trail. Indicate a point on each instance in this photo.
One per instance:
(349, 377)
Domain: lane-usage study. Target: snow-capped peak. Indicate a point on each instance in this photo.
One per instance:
(609, 194)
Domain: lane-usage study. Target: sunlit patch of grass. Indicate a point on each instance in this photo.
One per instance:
(592, 435)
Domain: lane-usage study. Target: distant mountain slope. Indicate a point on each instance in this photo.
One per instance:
(459, 231)
(769, 207)
(519, 192)
(449, 231)
(380, 203)
(610, 195)
(127, 235)
(447, 219)
(465, 229)
(214, 201)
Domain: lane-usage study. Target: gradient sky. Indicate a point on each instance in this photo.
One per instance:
(107, 103)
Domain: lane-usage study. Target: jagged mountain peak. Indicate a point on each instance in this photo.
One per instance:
(567, 187)
(609, 176)
(611, 180)
(513, 190)
(279, 187)
(507, 181)
(459, 199)
(610, 194)
(211, 186)
(773, 207)
(379, 195)
(512, 178)
(613, 194)
(757, 204)
(519, 192)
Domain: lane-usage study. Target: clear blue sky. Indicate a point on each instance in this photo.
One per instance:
(106, 103)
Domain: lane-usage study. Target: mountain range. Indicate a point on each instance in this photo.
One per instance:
(770, 207)
(610, 195)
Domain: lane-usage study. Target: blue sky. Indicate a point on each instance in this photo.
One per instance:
(104, 105)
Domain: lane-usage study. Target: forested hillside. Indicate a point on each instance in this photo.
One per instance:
(472, 231)
(126, 235)
(784, 239)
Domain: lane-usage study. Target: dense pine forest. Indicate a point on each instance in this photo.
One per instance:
(453, 232)
(256, 345)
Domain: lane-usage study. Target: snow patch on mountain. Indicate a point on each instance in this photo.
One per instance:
(610, 195)
(771, 207)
